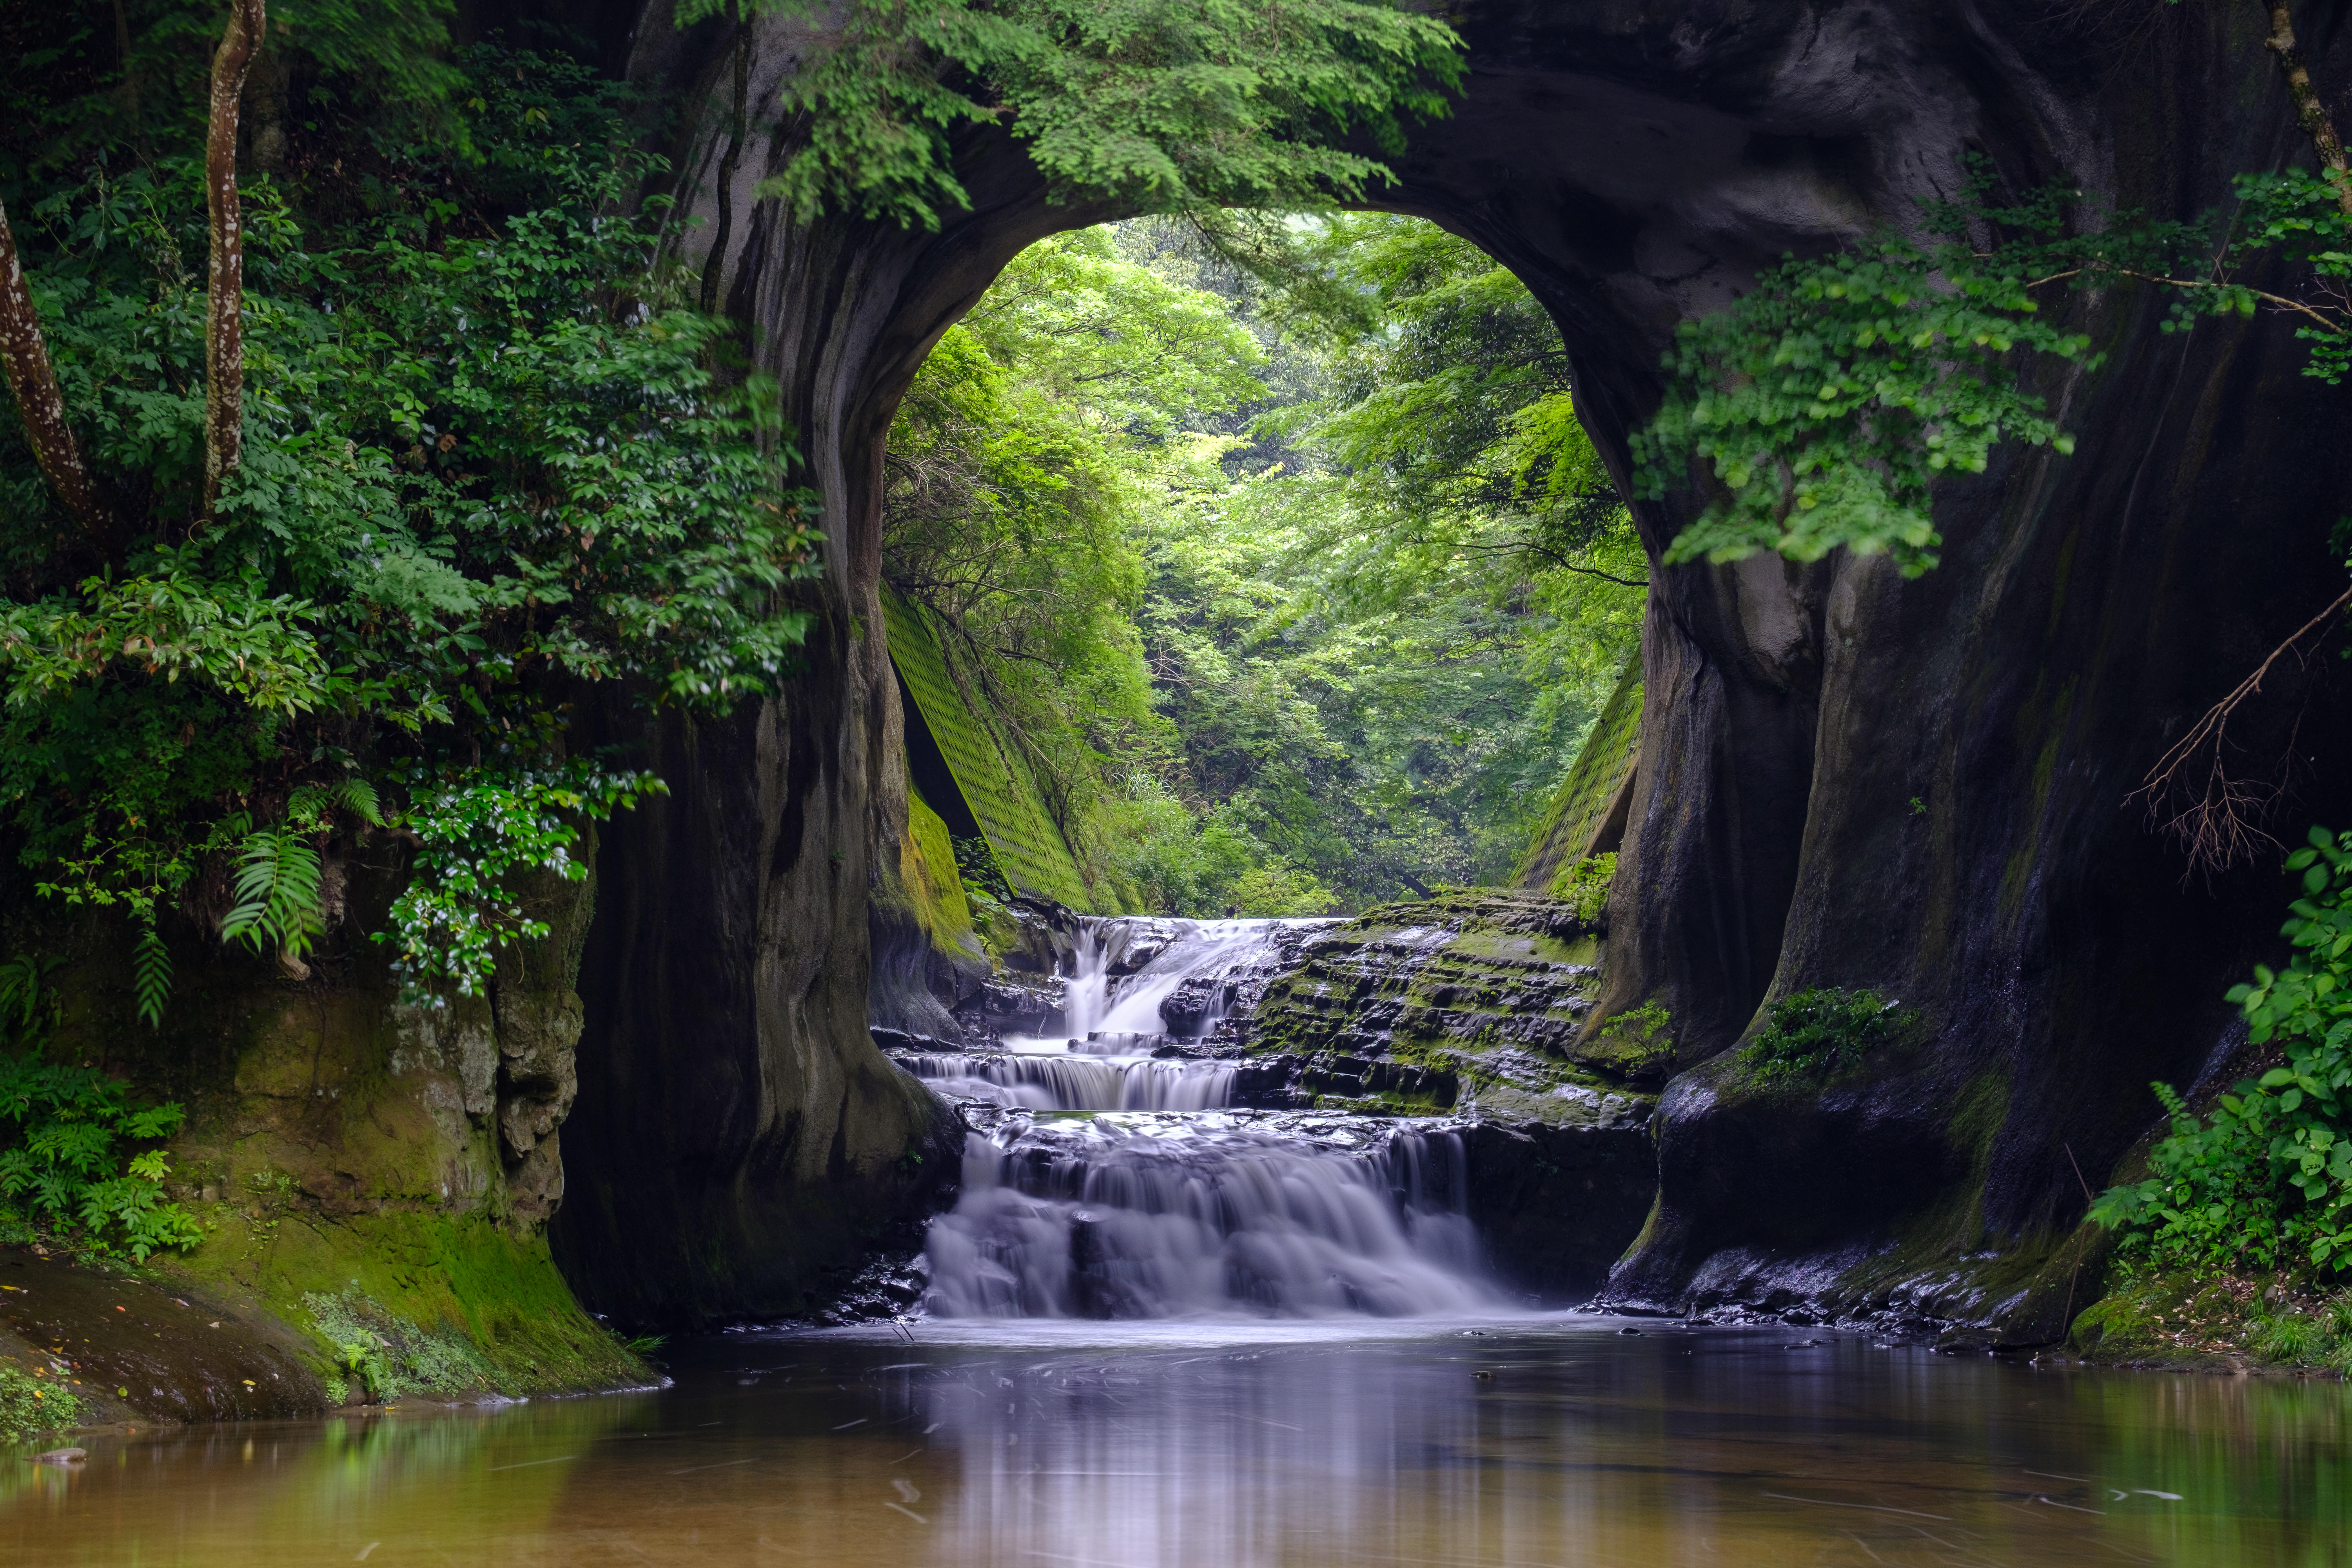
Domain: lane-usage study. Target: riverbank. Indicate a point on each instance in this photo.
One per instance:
(89, 1345)
(2156, 1321)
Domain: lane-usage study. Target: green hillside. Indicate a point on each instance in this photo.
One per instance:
(996, 786)
(1583, 819)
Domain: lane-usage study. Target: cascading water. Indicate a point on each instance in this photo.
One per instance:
(1166, 1201)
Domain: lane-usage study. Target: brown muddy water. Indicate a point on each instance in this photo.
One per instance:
(1555, 1441)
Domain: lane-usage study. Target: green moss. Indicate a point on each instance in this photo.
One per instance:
(997, 784)
(1637, 1043)
(437, 1273)
(1580, 807)
(927, 867)
(383, 1356)
(2182, 1319)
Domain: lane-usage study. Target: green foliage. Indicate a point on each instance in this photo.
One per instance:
(277, 893)
(1584, 885)
(1160, 104)
(72, 1166)
(492, 461)
(1637, 1042)
(1824, 403)
(977, 868)
(475, 833)
(2295, 214)
(388, 1357)
(1823, 1031)
(2264, 1180)
(1826, 399)
(1282, 602)
(30, 1403)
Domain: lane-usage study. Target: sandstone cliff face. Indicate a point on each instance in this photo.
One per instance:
(1634, 165)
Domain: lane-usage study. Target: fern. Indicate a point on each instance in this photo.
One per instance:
(308, 806)
(277, 894)
(20, 990)
(151, 975)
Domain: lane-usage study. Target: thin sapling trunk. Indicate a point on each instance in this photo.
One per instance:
(224, 329)
(24, 357)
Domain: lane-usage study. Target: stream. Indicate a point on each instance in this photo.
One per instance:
(1553, 1442)
(1164, 1330)
(1109, 1173)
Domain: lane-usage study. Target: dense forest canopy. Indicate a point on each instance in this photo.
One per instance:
(1299, 583)
(368, 417)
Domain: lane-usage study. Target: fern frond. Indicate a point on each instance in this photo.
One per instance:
(308, 806)
(151, 975)
(277, 894)
(358, 798)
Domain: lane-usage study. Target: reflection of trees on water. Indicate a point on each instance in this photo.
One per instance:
(396, 1472)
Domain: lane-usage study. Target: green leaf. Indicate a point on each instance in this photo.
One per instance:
(151, 975)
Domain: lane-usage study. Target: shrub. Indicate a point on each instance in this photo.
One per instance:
(73, 1162)
(2263, 1181)
(1584, 886)
(30, 1403)
(1821, 1031)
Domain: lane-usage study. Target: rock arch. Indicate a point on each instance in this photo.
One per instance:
(1845, 778)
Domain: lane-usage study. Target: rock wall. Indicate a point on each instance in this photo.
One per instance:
(1634, 165)
(338, 1140)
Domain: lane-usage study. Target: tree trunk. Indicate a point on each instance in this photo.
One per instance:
(25, 358)
(224, 329)
(2310, 113)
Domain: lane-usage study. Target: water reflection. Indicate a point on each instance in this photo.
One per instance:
(1557, 1442)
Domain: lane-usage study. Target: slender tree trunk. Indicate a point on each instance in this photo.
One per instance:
(24, 357)
(2309, 112)
(224, 329)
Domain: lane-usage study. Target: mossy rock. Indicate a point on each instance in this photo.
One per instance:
(1474, 995)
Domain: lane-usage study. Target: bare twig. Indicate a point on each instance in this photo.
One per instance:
(224, 294)
(24, 357)
(2212, 813)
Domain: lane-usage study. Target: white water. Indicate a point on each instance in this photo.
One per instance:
(1035, 1081)
(1103, 1012)
(1159, 1217)
(1167, 1203)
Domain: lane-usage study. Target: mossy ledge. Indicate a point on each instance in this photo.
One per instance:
(338, 1140)
(1475, 1004)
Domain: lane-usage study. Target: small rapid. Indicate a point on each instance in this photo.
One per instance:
(1109, 1175)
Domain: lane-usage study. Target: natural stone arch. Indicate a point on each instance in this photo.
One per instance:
(1634, 167)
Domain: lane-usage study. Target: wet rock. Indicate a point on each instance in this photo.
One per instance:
(1188, 1007)
(61, 1456)
(174, 1354)
(1011, 1005)
(1557, 1204)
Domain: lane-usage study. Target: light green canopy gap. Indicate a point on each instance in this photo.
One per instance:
(1587, 816)
(993, 783)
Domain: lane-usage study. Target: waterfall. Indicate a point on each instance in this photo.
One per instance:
(1165, 1201)
(1159, 1217)
(1039, 1082)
